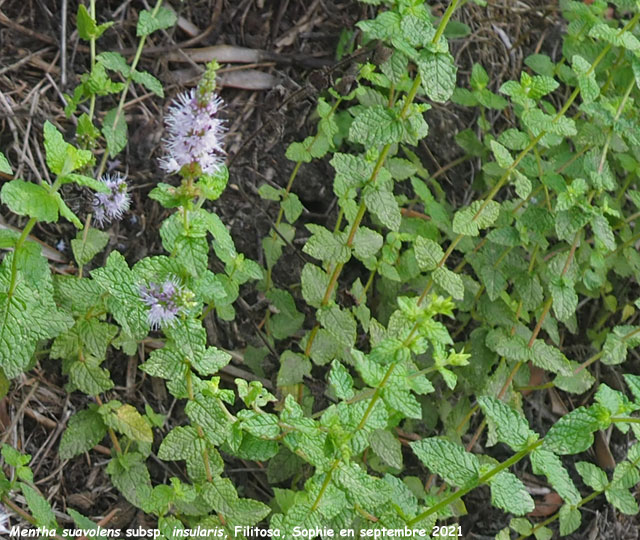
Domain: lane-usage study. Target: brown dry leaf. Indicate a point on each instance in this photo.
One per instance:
(547, 506)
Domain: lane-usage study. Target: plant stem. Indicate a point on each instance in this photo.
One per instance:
(125, 91)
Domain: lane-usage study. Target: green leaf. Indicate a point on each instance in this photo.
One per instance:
(471, 220)
(181, 443)
(314, 284)
(589, 89)
(293, 368)
(339, 323)
(570, 519)
(149, 82)
(87, 27)
(325, 246)
(39, 506)
(428, 253)
(148, 23)
(193, 253)
(259, 424)
(565, 299)
(502, 155)
(116, 138)
(5, 167)
(130, 476)
(384, 206)
(591, 475)
(128, 421)
(449, 460)
(115, 62)
(341, 381)
(547, 463)
(376, 126)
(509, 493)
(211, 186)
(449, 281)
(84, 430)
(366, 243)
(287, 320)
(438, 73)
(89, 377)
(124, 300)
(510, 425)
(479, 78)
(573, 433)
(27, 199)
(86, 245)
(292, 207)
(387, 447)
(623, 500)
(206, 412)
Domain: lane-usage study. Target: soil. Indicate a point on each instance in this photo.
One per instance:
(261, 123)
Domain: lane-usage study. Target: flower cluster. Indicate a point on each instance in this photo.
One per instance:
(195, 134)
(108, 207)
(167, 300)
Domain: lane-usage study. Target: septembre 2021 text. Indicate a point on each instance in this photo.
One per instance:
(239, 531)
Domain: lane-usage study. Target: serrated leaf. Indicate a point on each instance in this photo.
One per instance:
(547, 463)
(314, 284)
(339, 323)
(39, 506)
(573, 433)
(116, 138)
(384, 206)
(182, 442)
(207, 413)
(149, 82)
(84, 430)
(325, 246)
(387, 447)
(510, 425)
(375, 126)
(623, 500)
(591, 475)
(438, 73)
(5, 167)
(124, 300)
(88, 244)
(341, 381)
(287, 320)
(89, 377)
(27, 199)
(366, 243)
(570, 519)
(193, 253)
(293, 368)
(128, 421)
(428, 253)
(148, 23)
(565, 299)
(449, 281)
(130, 476)
(509, 493)
(589, 89)
(448, 460)
(502, 155)
(471, 220)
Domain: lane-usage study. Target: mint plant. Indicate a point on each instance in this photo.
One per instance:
(428, 354)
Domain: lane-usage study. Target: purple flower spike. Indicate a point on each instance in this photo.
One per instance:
(195, 134)
(108, 207)
(166, 300)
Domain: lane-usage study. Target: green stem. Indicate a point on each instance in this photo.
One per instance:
(482, 480)
(125, 91)
(14, 262)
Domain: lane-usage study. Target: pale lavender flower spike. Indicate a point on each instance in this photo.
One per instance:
(108, 207)
(165, 301)
(195, 134)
